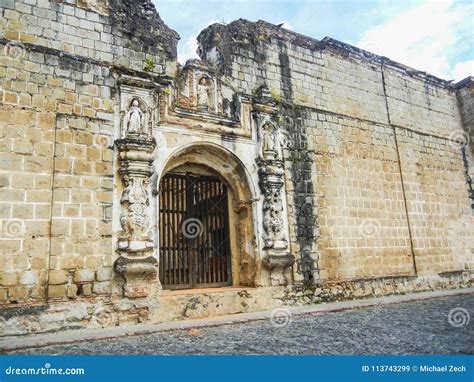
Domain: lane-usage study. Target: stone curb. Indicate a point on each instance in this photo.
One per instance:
(11, 343)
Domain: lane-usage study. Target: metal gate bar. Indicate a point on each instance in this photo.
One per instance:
(199, 258)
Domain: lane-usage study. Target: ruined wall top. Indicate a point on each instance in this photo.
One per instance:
(120, 33)
(329, 75)
(241, 31)
(139, 20)
(218, 41)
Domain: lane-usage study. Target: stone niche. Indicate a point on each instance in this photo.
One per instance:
(200, 94)
(145, 93)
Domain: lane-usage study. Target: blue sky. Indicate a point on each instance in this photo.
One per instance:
(436, 37)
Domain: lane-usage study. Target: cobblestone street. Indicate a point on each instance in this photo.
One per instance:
(418, 327)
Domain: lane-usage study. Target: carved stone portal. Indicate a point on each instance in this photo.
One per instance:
(136, 262)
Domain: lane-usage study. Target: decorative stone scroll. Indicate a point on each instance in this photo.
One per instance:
(137, 262)
(271, 174)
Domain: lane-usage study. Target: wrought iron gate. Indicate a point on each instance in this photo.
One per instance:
(194, 232)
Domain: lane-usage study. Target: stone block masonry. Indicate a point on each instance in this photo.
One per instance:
(348, 175)
(58, 75)
(377, 184)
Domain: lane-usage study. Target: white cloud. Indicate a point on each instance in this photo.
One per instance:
(287, 25)
(189, 49)
(420, 37)
(463, 69)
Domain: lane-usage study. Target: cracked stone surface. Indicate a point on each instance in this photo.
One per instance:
(419, 327)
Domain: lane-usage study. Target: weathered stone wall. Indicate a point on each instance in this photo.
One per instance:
(58, 79)
(465, 93)
(377, 173)
(122, 33)
(376, 181)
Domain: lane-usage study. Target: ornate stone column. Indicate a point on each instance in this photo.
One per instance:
(271, 173)
(136, 263)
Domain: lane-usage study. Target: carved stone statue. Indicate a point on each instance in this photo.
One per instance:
(271, 142)
(272, 216)
(203, 93)
(271, 183)
(134, 121)
(135, 219)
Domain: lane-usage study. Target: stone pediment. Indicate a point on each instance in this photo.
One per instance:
(201, 99)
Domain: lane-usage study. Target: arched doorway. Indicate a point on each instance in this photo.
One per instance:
(205, 220)
(194, 231)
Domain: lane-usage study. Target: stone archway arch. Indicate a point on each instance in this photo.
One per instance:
(242, 202)
(222, 160)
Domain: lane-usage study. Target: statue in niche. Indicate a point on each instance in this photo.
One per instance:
(203, 93)
(134, 122)
(270, 142)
